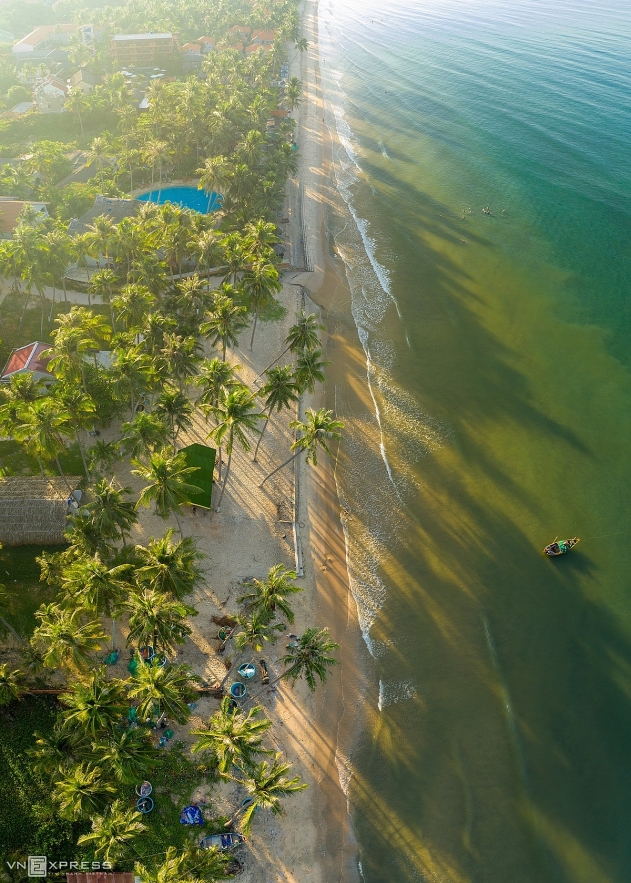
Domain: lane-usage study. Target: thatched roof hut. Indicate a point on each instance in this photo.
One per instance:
(34, 509)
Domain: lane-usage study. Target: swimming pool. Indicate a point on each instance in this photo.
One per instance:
(186, 197)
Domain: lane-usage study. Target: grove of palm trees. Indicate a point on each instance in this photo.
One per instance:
(165, 328)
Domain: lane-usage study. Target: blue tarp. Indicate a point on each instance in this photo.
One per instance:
(191, 815)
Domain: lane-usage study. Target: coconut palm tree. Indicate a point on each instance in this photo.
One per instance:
(144, 434)
(103, 283)
(260, 239)
(233, 736)
(256, 629)
(157, 620)
(309, 370)
(266, 784)
(293, 93)
(113, 832)
(268, 596)
(132, 305)
(309, 657)
(179, 357)
(280, 392)
(6, 607)
(112, 515)
(167, 483)
(216, 378)
(9, 684)
(318, 428)
(214, 176)
(173, 408)
(168, 567)
(225, 322)
(94, 706)
(41, 427)
(302, 337)
(93, 585)
(85, 538)
(191, 866)
(103, 455)
(134, 371)
(64, 639)
(128, 754)
(97, 155)
(163, 690)
(81, 410)
(234, 415)
(57, 750)
(82, 791)
(260, 284)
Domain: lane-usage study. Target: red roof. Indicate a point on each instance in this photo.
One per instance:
(27, 358)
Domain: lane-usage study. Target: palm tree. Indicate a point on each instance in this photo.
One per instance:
(9, 684)
(191, 866)
(318, 429)
(94, 706)
(167, 484)
(302, 337)
(157, 153)
(309, 370)
(163, 690)
(144, 434)
(113, 832)
(280, 392)
(232, 736)
(132, 305)
(103, 455)
(82, 791)
(260, 238)
(85, 538)
(293, 92)
(76, 103)
(214, 176)
(134, 371)
(269, 595)
(174, 408)
(168, 567)
(103, 283)
(41, 428)
(225, 322)
(81, 410)
(256, 630)
(217, 378)
(96, 587)
(266, 783)
(58, 750)
(111, 514)
(128, 754)
(260, 283)
(234, 415)
(64, 640)
(97, 154)
(309, 657)
(179, 357)
(6, 606)
(157, 620)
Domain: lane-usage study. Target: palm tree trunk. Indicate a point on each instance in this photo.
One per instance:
(271, 364)
(256, 318)
(282, 465)
(10, 628)
(225, 481)
(63, 282)
(85, 465)
(179, 523)
(256, 449)
(67, 483)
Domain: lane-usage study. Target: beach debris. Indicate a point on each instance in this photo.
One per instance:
(227, 621)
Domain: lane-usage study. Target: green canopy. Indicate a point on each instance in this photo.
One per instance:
(203, 458)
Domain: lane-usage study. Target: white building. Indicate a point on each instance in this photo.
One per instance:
(51, 95)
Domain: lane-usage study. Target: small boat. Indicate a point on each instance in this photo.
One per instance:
(264, 672)
(144, 790)
(560, 547)
(246, 670)
(144, 805)
(222, 841)
(237, 690)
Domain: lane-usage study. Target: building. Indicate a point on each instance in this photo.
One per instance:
(28, 360)
(263, 38)
(51, 94)
(42, 39)
(83, 80)
(112, 208)
(10, 211)
(207, 44)
(240, 32)
(191, 57)
(34, 509)
(143, 49)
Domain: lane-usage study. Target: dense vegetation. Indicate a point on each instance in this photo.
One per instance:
(168, 285)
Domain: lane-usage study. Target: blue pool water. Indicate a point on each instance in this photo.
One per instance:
(186, 197)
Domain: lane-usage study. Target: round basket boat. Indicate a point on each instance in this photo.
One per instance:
(246, 670)
(237, 690)
(144, 790)
(144, 805)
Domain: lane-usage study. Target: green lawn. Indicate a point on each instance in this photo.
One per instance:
(19, 572)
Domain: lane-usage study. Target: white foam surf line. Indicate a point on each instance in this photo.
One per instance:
(363, 336)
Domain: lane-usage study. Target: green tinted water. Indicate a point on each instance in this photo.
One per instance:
(497, 744)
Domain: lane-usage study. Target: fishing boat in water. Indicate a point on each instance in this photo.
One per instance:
(560, 547)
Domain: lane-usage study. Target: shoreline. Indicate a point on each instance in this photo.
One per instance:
(324, 535)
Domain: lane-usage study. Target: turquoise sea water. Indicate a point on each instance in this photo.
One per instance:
(497, 350)
(185, 197)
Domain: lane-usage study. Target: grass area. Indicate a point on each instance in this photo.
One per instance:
(15, 461)
(19, 572)
(29, 821)
(65, 127)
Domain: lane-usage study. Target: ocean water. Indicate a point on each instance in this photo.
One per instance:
(489, 413)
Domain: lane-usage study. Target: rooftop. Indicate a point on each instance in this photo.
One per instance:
(44, 31)
(121, 37)
(27, 358)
